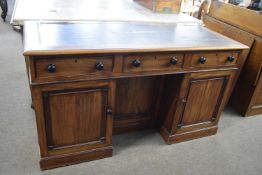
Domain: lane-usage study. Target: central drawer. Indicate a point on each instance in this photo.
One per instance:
(152, 62)
(57, 67)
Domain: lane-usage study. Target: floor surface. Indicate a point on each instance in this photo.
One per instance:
(235, 150)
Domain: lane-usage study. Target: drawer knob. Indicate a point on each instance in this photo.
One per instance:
(51, 68)
(109, 111)
(99, 66)
(136, 63)
(202, 60)
(173, 61)
(230, 58)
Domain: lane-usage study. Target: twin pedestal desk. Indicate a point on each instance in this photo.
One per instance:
(92, 80)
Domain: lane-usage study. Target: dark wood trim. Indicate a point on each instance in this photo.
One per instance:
(74, 158)
(176, 138)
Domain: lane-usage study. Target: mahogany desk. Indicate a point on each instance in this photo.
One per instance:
(91, 80)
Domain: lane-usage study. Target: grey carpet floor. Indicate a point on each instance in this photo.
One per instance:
(235, 150)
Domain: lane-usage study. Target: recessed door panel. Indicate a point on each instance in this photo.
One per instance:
(204, 98)
(257, 104)
(75, 117)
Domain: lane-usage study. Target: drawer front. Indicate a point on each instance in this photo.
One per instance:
(70, 67)
(143, 63)
(213, 59)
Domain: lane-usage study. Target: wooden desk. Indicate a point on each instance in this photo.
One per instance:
(89, 80)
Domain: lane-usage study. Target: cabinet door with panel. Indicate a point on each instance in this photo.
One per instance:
(255, 106)
(206, 96)
(202, 104)
(77, 117)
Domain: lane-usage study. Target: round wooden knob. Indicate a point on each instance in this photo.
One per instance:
(202, 60)
(173, 61)
(99, 66)
(136, 63)
(109, 111)
(230, 58)
(51, 68)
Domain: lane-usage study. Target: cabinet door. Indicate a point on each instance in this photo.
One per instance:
(77, 116)
(207, 94)
(255, 107)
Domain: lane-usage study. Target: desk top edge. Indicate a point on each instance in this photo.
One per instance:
(122, 51)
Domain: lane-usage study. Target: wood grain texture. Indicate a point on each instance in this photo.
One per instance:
(135, 103)
(203, 98)
(255, 63)
(171, 99)
(214, 59)
(152, 62)
(81, 38)
(245, 18)
(256, 104)
(199, 106)
(72, 119)
(73, 66)
(70, 159)
(246, 95)
(208, 131)
(76, 117)
(208, 116)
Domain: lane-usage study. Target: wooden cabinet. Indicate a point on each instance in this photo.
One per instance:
(247, 95)
(161, 6)
(256, 103)
(75, 117)
(201, 101)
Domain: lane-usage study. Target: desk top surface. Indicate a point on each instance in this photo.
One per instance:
(90, 10)
(47, 38)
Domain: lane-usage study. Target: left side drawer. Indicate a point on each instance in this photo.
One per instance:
(68, 67)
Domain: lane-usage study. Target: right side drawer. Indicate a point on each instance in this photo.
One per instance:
(214, 59)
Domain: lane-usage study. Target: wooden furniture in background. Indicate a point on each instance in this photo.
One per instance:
(203, 9)
(89, 80)
(161, 6)
(245, 26)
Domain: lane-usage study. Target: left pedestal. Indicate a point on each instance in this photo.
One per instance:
(74, 122)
